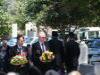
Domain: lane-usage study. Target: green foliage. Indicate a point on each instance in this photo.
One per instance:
(1, 2)
(20, 17)
(55, 13)
(4, 22)
(58, 13)
(94, 11)
(4, 31)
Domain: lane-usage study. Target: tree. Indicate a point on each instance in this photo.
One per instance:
(57, 13)
(94, 12)
(4, 21)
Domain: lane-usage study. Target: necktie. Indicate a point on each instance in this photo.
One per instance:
(43, 49)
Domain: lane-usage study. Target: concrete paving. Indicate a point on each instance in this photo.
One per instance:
(87, 69)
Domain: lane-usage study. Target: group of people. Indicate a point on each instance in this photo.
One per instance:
(66, 55)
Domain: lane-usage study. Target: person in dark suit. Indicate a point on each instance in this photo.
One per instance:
(72, 52)
(56, 46)
(4, 56)
(37, 49)
(19, 49)
(32, 68)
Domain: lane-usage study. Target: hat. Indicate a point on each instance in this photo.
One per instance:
(54, 34)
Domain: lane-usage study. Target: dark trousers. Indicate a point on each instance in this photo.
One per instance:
(26, 70)
(43, 67)
(21, 69)
(71, 66)
(4, 66)
(34, 70)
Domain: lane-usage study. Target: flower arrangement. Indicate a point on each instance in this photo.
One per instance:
(18, 60)
(47, 56)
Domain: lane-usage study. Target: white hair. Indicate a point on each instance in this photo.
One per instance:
(12, 73)
(74, 73)
(42, 34)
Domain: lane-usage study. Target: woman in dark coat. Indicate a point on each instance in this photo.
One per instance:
(72, 52)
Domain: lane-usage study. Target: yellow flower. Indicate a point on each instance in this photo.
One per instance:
(47, 56)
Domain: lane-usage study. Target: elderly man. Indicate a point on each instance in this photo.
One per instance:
(37, 49)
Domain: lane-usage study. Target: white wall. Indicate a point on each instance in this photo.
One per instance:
(14, 30)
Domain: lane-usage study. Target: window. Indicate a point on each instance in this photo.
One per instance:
(93, 34)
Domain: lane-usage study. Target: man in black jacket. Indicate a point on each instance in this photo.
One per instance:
(37, 49)
(19, 49)
(4, 56)
(56, 46)
(72, 52)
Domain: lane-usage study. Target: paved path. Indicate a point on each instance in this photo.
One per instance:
(97, 68)
(87, 70)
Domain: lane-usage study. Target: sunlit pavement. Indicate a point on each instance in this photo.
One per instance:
(90, 69)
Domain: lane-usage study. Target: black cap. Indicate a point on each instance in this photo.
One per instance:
(54, 34)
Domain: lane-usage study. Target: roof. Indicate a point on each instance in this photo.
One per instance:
(90, 29)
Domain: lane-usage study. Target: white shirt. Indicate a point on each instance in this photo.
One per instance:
(43, 47)
(83, 59)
